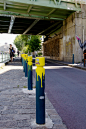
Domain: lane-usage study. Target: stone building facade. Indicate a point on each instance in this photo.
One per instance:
(64, 45)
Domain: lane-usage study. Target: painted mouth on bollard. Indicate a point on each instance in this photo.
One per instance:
(38, 63)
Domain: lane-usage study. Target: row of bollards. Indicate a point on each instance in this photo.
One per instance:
(40, 84)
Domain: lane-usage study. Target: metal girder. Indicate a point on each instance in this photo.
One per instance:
(48, 28)
(45, 15)
(4, 13)
(55, 1)
(45, 9)
(59, 26)
(44, 3)
(11, 24)
(4, 5)
(51, 12)
(29, 9)
(35, 10)
(31, 26)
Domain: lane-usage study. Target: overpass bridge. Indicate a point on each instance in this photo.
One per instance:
(42, 17)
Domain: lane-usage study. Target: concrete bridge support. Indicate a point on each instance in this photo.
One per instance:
(64, 44)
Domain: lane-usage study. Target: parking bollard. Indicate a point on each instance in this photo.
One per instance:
(23, 63)
(26, 65)
(40, 90)
(30, 73)
(73, 59)
(22, 59)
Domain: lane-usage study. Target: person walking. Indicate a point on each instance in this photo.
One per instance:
(11, 52)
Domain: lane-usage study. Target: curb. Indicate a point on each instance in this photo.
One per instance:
(83, 68)
(77, 67)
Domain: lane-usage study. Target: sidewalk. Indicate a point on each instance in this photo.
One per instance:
(18, 105)
(76, 65)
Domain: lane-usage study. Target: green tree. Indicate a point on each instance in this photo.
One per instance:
(25, 39)
(19, 43)
(34, 43)
(25, 49)
(27, 43)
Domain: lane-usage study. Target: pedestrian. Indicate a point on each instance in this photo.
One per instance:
(18, 53)
(11, 52)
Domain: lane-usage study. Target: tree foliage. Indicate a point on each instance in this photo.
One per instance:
(34, 43)
(27, 43)
(19, 42)
(25, 49)
(25, 39)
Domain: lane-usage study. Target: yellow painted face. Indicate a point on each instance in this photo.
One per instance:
(29, 58)
(40, 61)
(25, 56)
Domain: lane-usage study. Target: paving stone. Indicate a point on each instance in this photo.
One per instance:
(51, 111)
(1, 107)
(26, 111)
(29, 106)
(11, 111)
(6, 117)
(15, 107)
(23, 123)
(41, 128)
(8, 124)
(59, 127)
(21, 117)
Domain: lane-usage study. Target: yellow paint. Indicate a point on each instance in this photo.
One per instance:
(29, 58)
(39, 72)
(25, 56)
(30, 64)
(40, 62)
(22, 55)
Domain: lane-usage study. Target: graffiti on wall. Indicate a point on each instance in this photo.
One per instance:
(82, 45)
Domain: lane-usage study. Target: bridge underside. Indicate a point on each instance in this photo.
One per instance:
(34, 17)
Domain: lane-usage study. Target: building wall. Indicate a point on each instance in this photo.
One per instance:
(78, 52)
(68, 38)
(64, 45)
(53, 48)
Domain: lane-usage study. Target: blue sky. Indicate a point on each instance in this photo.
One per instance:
(7, 38)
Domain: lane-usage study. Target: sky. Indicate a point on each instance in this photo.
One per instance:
(7, 38)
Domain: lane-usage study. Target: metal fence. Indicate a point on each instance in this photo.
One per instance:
(4, 56)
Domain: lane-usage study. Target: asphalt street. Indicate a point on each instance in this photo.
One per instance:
(66, 89)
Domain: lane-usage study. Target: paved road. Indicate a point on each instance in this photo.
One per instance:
(66, 89)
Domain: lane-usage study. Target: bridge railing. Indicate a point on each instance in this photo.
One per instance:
(4, 56)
